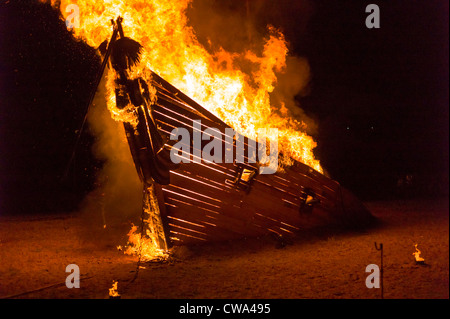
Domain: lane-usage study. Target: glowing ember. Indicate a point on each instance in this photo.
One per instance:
(113, 291)
(416, 255)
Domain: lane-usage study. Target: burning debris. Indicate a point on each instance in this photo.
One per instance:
(416, 254)
(113, 291)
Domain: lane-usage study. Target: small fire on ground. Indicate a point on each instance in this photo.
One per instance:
(113, 291)
(416, 255)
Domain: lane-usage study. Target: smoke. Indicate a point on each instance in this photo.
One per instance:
(117, 199)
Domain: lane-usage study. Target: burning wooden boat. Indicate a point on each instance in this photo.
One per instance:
(217, 201)
(203, 200)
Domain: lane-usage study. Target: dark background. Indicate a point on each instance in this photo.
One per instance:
(379, 96)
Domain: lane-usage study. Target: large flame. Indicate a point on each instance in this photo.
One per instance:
(171, 49)
(215, 79)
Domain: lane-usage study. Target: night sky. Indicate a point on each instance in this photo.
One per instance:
(379, 96)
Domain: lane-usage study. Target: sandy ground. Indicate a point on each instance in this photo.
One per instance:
(34, 253)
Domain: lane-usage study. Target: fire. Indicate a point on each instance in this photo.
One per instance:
(215, 80)
(143, 245)
(171, 49)
(416, 255)
(153, 245)
(113, 291)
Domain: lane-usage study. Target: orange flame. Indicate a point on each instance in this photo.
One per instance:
(113, 291)
(416, 255)
(171, 49)
(215, 80)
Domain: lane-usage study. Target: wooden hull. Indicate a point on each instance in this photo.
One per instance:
(207, 201)
(204, 202)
